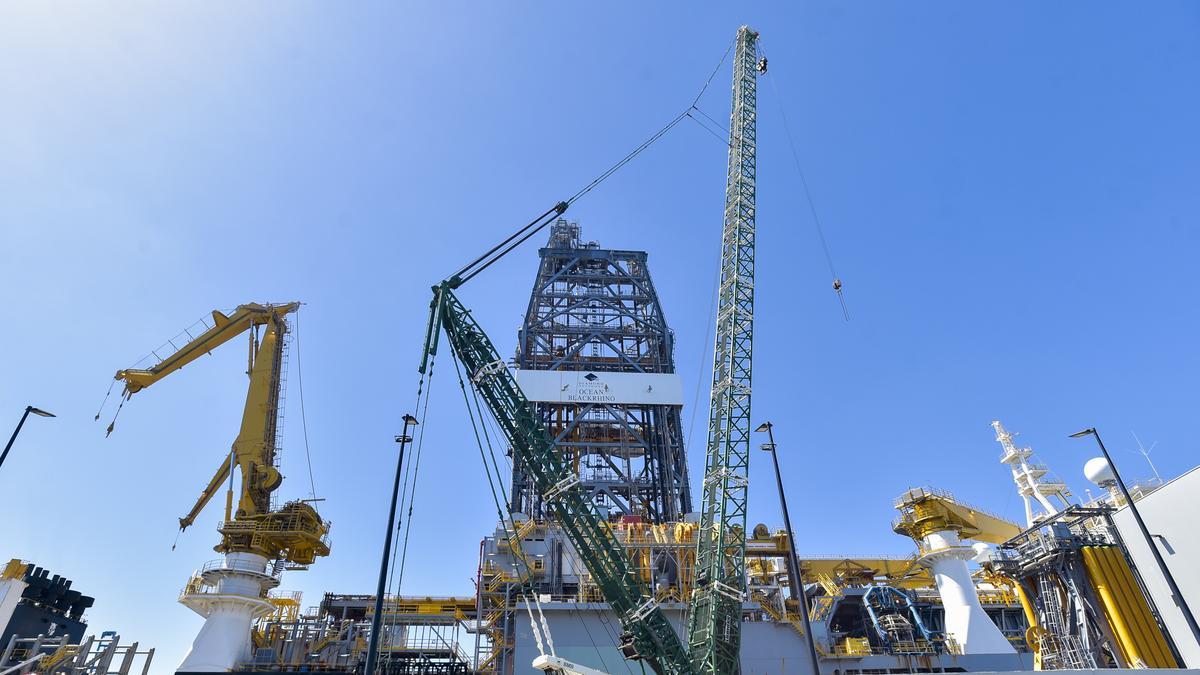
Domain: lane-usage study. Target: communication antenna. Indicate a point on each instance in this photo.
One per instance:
(1146, 454)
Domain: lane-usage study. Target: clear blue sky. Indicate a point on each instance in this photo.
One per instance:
(1009, 190)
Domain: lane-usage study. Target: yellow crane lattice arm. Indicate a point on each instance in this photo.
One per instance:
(254, 448)
(224, 329)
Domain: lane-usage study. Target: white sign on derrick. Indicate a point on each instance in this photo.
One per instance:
(587, 386)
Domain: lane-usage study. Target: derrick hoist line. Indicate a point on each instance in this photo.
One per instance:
(648, 633)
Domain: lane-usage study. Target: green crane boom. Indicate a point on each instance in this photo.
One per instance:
(648, 635)
(714, 632)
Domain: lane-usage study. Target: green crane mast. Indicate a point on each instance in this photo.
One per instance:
(648, 635)
(714, 630)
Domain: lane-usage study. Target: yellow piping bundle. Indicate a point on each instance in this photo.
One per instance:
(1137, 633)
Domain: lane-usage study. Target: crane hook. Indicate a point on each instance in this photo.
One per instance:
(837, 288)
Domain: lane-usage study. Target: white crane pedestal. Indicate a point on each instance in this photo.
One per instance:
(966, 621)
(230, 594)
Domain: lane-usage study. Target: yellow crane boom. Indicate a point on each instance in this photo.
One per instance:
(253, 451)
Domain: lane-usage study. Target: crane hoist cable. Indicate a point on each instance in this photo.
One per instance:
(479, 264)
(303, 416)
(837, 281)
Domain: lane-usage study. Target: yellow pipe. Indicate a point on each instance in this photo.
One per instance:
(1157, 640)
(1126, 603)
(1031, 619)
(1134, 608)
(1108, 602)
(1026, 605)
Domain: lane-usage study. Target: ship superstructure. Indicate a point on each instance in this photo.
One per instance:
(600, 561)
(43, 629)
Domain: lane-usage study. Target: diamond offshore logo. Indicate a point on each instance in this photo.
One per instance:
(589, 389)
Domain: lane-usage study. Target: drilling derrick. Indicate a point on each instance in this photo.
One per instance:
(597, 357)
(714, 632)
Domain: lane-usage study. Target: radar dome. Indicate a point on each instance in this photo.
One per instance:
(1098, 471)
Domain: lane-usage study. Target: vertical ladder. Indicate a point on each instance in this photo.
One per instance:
(1059, 649)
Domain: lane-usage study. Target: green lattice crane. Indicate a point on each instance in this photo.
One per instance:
(714, 630)
(648, 635)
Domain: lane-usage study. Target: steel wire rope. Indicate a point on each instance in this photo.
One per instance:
(412, 494)
(304, 417)
(521, 560)
(583, 622)
(724, 141)
(497, 482)
(491, 449)
(704, 352)
(481, 263)
(714, 72)
(475, 429)
(713, 120)
(812, 208)
(422, 395)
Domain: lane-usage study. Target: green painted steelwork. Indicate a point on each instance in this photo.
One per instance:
(648, 633)
(714, 631)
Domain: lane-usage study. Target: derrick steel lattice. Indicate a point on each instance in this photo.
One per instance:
(714, 631)
(596, 309)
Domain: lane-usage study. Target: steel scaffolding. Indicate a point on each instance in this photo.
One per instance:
(595, 309)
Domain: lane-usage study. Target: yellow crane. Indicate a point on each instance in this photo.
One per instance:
(295, 532)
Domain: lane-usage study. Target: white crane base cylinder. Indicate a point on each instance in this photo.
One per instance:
(235, 600)
(965, 621)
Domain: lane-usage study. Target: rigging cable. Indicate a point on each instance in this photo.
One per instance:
(479, 264)
(724, 141)
(303, 417)
(402, 523)
(412, 492)
(475, 429)
(703, 352)
(837, 282)
(416, 406)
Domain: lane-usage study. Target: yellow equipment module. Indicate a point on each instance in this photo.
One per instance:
(1141, 642)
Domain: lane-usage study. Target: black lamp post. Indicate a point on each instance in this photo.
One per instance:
(373, 645)
(28, 409)
(1137, 516)
(794, 582)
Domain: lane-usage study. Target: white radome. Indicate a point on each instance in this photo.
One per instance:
(1098, 471)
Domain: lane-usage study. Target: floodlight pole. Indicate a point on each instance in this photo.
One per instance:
(24, 416)
(373, 645)
(797, 586)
